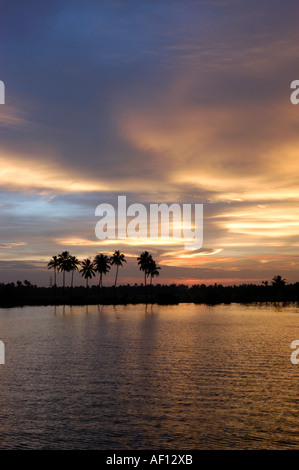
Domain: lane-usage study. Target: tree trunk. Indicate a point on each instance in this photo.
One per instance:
(145, 287)
(116, 276)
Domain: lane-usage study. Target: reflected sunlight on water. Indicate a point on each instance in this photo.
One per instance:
(137, 377)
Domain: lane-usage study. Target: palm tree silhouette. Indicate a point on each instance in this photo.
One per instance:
(102, 266)
(88, 270)
(73, 266)
(54, 264)
(153, 270)
(118, 259)
(64, 264)
(278, 282)
(144, 262)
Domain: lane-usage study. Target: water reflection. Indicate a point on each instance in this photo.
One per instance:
(149, 376)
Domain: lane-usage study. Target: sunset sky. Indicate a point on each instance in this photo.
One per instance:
(161, 101)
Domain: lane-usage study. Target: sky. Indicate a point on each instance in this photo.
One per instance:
(163, 102)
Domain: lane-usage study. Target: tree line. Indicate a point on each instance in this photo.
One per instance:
(65, 263)
(25, 293)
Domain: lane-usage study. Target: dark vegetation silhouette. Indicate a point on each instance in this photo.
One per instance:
(117, 259)
(144, 262)
(153, 270)
(74, 266)
(149, 266)
(88, 270)
(64, 264)
(53, 264)
(102, 266)
(25, 293)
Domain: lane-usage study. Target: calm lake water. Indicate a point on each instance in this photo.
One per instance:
(161, 377)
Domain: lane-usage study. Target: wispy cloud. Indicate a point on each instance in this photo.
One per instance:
(6, 245)
(182, 102)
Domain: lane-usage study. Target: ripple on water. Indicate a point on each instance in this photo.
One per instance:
(186, 376)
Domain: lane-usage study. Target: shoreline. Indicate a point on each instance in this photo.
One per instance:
(85, 304)
(12, 295)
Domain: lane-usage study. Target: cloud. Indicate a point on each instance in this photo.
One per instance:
(11, 244)
(28, 174)
(164, 102)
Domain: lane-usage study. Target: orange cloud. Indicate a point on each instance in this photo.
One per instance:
(25, 173)
(12, 244)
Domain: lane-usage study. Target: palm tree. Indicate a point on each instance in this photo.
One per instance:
(118, 259)
(73, 266)
(144, 262)
(54, 264)
(88, 270)
(278, 282)
(64, 264)
(153, 270)
(102, 265)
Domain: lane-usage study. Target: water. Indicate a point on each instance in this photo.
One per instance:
(161, 377)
